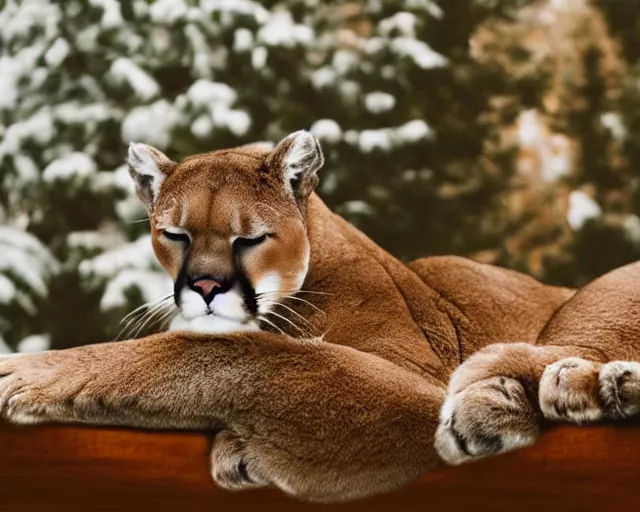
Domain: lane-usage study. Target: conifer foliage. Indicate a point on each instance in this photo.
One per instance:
(410, 118)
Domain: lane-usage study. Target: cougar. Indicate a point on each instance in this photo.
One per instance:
(327, 367)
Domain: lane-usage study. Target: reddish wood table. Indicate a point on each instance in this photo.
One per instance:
(70, 469)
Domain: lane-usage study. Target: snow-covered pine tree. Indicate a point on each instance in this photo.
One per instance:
(600, 113)
(391, 88)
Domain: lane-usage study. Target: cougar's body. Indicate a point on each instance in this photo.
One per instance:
(327, 367)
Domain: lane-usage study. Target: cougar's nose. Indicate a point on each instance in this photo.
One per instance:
(206, 287)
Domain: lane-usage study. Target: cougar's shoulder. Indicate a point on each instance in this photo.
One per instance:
(494, 304)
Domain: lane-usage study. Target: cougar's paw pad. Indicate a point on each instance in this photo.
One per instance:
(569, 392)
(488, 417)
(620, 388)
(231, 467)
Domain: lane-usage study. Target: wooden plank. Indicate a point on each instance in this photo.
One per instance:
(61, 468)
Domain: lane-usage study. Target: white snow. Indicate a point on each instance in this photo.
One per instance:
(344, 61)
(581, 208)
(385, 139)
(529, 128)
(72, 166)
(351, 137)
(202, 126)
(327, 130)
(152, 286)
(245, 7)
(218, 56)
(161, 39)
(553, 151)
(111, 16)
(430, 7)
(132, 264)
(259, 57)
(421, 54)
(34, 343)
(404, 22)
(349, 90)
(151, 124)
(108, 181)
(200, 63)
(205, 93)
(242, 40)
(378, 101)
(125, 70)
(631, 226)
(612, 121)
(10, 73)
(375, 139)
(556, 158)
(26, 169)
(72, 112)
(413, 131)
(94, 240)
(323, 77)
(17, 18)
(138, 254)
(357, 207)
(57, 53)
(7, 290)
(37, 127)
(238, 122)
(22, 255)
(131, 209)
(373, 45)
(281, 30)
(15, 68)
(167, 11)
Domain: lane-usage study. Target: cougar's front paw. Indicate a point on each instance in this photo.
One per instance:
(620, 388)
(569, 391)
(580, 391)
(232, 466)
(27, 389)
(485, 418)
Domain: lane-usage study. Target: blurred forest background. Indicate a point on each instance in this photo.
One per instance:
(503, 130)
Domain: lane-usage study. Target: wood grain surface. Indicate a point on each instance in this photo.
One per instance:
(56, 468)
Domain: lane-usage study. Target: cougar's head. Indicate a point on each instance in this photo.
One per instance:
(229, 227)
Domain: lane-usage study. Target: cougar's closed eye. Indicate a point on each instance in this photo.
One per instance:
(245, 243)
(176, 236)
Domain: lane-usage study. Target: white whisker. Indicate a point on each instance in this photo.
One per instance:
(166, 317)
(155, 316)
(142, 315)
(268, 295)
(146, 306)
(297, 291)
(288, 321)
(263, 319)
(305, 302)
(294, 312)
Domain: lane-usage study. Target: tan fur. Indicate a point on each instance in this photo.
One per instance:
(353, 408)
(221, 195)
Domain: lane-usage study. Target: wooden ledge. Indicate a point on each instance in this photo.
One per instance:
(72, 469)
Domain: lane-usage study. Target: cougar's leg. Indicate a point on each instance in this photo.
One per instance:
(320, 421)
(581, 370)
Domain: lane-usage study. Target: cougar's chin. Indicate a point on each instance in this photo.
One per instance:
(211, 324)
(225, 313)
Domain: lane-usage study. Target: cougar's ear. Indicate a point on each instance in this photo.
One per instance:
(297, 159)
(148, 167)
